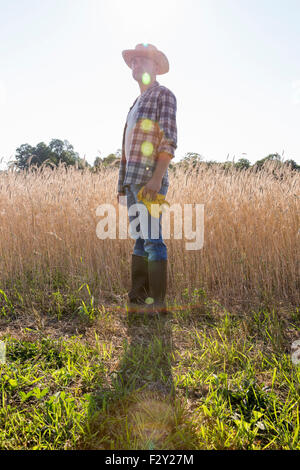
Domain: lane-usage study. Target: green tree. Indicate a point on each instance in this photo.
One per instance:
(292, 164)
(56, 152)
(97, 163)
(111, 160)
(193, 158)
(242, 164)
(190, 160)
(272, 157)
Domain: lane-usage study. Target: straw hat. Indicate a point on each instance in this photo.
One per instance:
(148, 50)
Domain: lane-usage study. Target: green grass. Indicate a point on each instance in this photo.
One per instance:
(84, 376)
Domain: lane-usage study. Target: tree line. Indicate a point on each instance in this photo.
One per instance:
(62, 152)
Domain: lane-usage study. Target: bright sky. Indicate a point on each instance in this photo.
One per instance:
(234, 69)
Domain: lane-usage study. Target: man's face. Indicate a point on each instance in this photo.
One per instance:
(141, 65)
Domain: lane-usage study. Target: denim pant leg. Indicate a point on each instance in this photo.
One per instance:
(139, 242)
(148, 244)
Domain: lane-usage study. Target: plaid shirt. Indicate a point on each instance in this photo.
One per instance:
(155, 131)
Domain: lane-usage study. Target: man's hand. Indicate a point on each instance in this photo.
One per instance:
(154, 185)
(152, 188)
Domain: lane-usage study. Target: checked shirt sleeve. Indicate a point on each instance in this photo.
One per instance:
(122, 167)
(167, 107)
(122, 170)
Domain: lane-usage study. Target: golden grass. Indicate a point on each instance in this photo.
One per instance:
(251, 233)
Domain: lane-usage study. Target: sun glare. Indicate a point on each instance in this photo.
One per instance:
(130, 17)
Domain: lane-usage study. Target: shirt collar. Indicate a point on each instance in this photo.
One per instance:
(154, 84)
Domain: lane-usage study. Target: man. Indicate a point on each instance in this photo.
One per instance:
(149, 143)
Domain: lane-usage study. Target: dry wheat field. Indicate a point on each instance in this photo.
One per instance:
(251, 247)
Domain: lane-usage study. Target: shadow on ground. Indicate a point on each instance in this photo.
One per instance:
(139, 410)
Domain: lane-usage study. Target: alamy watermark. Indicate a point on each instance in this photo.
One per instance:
(139, 222)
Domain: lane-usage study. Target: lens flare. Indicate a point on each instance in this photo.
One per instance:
(147, 125)
(146, 79)
(147, 148)
(151, 418)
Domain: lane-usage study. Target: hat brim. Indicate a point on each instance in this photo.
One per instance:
(158, 56)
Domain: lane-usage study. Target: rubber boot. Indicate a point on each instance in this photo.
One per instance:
(157, 272)
(139, 282)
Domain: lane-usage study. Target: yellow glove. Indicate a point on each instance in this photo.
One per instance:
(154, 207)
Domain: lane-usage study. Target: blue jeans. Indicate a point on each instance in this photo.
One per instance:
(152, 248)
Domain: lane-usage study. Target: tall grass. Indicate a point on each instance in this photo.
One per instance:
(251, 233)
